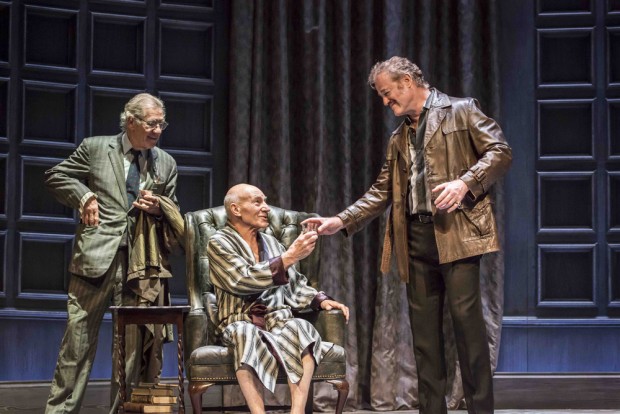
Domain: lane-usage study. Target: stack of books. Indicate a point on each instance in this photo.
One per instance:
(152, 398)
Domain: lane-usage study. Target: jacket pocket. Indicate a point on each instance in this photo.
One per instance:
(478, 219)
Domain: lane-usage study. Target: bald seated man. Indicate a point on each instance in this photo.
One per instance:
(257, 287)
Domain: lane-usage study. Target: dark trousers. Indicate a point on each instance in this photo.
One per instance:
(459, 283)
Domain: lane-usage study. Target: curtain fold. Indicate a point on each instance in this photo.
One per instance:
(307, 129)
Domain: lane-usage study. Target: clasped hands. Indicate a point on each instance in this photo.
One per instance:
(146, 202)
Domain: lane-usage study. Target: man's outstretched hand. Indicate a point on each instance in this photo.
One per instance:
(326, 225)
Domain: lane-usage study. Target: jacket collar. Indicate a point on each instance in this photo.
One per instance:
(116, 154)
(436, 113)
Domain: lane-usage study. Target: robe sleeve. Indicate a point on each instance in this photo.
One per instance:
(233, 273)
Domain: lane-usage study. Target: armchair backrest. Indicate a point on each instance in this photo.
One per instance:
(284, 225)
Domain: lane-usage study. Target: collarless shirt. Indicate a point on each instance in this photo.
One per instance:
(418, 202)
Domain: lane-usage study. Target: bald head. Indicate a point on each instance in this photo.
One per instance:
(235, 194)
(243, 202)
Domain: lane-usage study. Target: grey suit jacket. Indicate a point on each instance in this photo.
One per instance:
(97, 166)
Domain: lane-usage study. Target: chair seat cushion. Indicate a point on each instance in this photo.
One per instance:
(216, 363)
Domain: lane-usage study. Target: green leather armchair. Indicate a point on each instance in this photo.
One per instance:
(207, 362)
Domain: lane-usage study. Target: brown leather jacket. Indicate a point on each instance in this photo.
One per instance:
(460, 142)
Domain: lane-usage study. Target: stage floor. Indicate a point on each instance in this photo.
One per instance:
(30, 398)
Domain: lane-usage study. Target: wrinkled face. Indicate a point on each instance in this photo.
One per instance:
(140, 134)
(252, 209)
(398, 95)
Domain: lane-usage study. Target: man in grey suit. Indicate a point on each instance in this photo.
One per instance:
(106, 178)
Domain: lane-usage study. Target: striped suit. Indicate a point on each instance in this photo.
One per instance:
(240, 282)
(98, 267)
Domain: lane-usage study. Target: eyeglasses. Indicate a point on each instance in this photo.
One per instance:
(153, 124)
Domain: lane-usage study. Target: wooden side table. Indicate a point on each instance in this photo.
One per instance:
(135, 315)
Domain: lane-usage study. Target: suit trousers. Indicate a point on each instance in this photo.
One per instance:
(89, 298)
(430, 285)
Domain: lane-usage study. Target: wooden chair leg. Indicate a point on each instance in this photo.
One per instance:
(309, 401)
(342, 386)
(196, 389)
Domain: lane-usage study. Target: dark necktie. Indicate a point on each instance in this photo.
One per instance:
(133, 178)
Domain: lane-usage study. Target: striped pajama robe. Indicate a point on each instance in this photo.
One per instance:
(239, 283)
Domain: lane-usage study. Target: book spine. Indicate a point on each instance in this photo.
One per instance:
(133, 407)
(138, 398)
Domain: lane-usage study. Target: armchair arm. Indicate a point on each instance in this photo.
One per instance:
(195, 333)
(194, 288)
(330, 324)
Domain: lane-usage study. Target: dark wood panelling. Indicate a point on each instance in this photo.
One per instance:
(558, 190)
(614, 276)
(5, 24)
(566, 128)
(105, 107)
(197, 187)
(613, 208)
(118, 43)
(566, 275)
(3, 185)
(67, 67)
(51, 37)
(35, 362)
(49, 113)
(4, 107)
(561, 261)
(37, 202)
(561, 349)
(181, 3)
(613, 41)
(2, 260)
(52, 250)
(186, 49)
(564, 6)
(565, 56)
(548, 345)
(575, 63)
(613, 116)
(191, 120)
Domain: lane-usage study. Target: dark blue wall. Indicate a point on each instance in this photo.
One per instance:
(30, 343)
(560, 89)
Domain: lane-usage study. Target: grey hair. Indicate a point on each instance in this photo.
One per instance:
(138, 104)
(230, 199)
(397, 67)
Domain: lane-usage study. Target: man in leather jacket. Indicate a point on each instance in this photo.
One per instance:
(440, 163)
